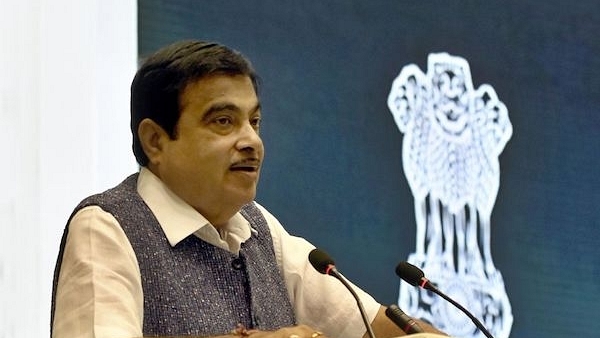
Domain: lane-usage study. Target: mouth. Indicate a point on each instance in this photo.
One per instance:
(249, 166)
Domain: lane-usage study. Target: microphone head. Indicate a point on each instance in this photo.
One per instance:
(409, 273)
(320, 260)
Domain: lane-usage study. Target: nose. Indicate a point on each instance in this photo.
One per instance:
(249, 139)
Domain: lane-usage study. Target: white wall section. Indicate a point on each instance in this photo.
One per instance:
(65, 70)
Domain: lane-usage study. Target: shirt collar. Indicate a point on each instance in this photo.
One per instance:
(178, 219)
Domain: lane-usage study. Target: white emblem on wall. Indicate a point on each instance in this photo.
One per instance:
(453, 135)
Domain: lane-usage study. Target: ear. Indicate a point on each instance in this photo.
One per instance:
(152, 138)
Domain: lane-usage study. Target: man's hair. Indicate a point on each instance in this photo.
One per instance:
(162, 78)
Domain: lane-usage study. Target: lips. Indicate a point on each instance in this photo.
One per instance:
(249, 165)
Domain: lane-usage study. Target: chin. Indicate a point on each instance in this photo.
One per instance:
(246, 198)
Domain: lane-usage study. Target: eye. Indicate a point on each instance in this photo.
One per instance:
(222, 123)
(223, 120)
(255, 122)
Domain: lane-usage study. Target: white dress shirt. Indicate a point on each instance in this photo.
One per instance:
(100, 292)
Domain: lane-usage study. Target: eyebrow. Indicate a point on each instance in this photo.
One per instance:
(226, 106)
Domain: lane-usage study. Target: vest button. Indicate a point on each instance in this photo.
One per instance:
(237, 264)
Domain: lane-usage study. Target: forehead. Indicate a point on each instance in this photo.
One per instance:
(207, 90)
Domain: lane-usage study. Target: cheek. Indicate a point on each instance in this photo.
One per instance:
(203, 153)
(182, 157)
(200, 159)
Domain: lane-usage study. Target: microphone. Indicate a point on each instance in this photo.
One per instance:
(403, 321)
(321, 261)
(415, 277)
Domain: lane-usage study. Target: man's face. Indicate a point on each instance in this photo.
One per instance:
(214, 162)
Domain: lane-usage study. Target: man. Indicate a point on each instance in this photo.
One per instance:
(181, 248)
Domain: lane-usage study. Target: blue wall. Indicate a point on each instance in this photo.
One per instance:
(333, 170)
